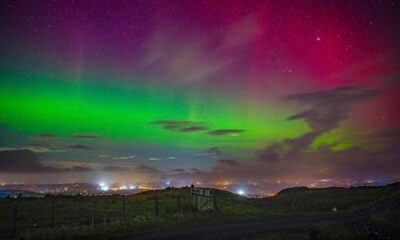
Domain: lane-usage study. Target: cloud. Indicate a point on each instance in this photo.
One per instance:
(390, 135)
(214, 151)
(123, 157)
(178, 170)
(324, 110)
(80, 147)
(84, 136)
(193, 129)
(26, 161)
(231, 132)
(115, 169)
(226, 164)
(46, 135)
(37, 148)
(145, 169)
(181, 126)
(186, 60)
(38, 145)
(293, 158)
(79, 169)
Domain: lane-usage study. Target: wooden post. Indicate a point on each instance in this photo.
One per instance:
(156, 205)
(179, 201)
(14, 219)
(123, 208)
(105, 210)
(93, 213)
(52, 214)
(215, 202)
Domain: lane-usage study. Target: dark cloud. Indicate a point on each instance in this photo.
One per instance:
(288, 149)
(293, 158)
(26, 161)
(324, 110)
(115, 169)
(46, 135)
(84, 136)
(178, 170)
(145, 169)
(323, 163)
(22, 161)
(392, 135)
(79, 169)
(181, 126)
(214, 151)
(226, 164)
(225, 132)
(193, 129)
(80, 147)
(38, 145)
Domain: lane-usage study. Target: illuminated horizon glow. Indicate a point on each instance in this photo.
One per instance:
(187, 92)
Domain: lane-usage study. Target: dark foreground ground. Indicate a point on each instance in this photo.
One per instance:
(294, 228)
(297, 213)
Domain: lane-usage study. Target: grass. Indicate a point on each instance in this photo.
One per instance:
(100, 217)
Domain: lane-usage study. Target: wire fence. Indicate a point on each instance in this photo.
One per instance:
(57, 211)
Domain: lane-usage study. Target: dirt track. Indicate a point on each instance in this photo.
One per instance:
(248, 229)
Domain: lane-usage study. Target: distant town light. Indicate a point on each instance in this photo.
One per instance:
(123, 187)
(131, 187)
(168, 183)
(241, 192)
(102, 184)
(104, 188)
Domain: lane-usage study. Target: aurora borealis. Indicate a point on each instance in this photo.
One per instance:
(191, 91)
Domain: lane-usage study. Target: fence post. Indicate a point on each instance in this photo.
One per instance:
(14, 219)
(52, 214)
(123, 208)
(156, 205)
(196, 201)
(179, 201)
(215, 201)
(93, 213)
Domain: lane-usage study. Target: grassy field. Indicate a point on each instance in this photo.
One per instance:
(100, 217)
(383, 225)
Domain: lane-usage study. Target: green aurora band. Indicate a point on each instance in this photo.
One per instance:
(35, 103)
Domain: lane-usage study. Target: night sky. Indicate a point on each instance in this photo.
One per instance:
(188, 91)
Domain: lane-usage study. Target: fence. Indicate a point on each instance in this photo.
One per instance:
(203, 198)
(56, 211)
